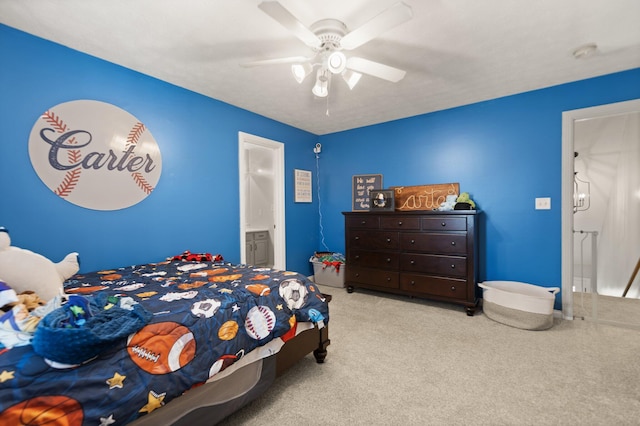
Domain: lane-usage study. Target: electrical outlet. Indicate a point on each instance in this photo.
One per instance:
(543, 203)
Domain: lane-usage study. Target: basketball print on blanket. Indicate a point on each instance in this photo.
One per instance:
(45, 410)
(294, 292)
(162, 348)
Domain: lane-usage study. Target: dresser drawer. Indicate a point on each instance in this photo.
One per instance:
(400, 223)
(444, 223)
(434, 243)
(373, 259)
(435, 286)
(362, 222)
(373, 240)
(449, 266)
(372, 277)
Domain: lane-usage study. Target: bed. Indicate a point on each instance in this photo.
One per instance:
(194, 341)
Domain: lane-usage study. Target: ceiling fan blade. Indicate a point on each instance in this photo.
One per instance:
(375, 69)
(384, 21)
(289, 60)
(290, 22)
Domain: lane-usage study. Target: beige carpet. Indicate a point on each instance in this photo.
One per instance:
(622, 310)
(400, 361)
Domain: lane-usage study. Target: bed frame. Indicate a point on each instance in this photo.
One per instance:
(313, 340)
(210, 403)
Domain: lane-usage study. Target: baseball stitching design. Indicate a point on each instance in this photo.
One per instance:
(134, 135)
(71, 177)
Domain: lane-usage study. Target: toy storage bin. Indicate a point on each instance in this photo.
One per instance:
(328, 269)
(519, 305)
(327, 275)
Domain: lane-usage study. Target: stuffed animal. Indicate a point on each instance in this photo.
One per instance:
(464, 202)
(24, 270)
(187, 256)
(449, 203)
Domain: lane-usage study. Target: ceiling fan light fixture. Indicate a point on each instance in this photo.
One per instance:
(301, 71)
(337, 62)
(351, 78)
(321, 88)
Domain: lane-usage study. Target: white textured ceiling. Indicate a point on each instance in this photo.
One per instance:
(455, 52)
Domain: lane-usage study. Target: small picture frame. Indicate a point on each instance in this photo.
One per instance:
(381, 200)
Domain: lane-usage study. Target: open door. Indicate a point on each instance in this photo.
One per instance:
(600, 229)
(262, 215)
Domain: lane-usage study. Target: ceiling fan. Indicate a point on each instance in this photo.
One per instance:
(328, 38)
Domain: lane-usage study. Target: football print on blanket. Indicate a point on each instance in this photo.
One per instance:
(162, 347)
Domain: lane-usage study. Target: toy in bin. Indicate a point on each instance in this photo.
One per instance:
(328, 268)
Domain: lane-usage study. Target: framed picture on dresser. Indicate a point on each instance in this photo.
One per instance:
(382, 200)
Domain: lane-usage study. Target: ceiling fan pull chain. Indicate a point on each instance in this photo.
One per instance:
(327, 112)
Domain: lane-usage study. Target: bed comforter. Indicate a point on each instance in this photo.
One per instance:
(202, 318)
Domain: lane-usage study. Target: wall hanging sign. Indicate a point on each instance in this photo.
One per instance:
(302, 184)
(95, 155)
(423, 197)
(361, 186)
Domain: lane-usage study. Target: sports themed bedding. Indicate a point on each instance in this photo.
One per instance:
(129, 340)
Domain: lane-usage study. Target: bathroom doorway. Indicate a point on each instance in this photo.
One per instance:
(262, 215)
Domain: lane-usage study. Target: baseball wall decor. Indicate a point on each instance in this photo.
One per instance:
(95, 155)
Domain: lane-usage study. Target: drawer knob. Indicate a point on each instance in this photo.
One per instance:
(388, 260)
(413, 262)
(453, 288)
(444, 224)
(364, 222)
(388, 279)
(399, 223)
(453, 266)
(453, 243)
(413, 241)
(357, 275)
(357, 238)
(413, 282)
(388, 240)
(357, 256)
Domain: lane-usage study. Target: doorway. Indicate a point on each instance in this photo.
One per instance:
(262, 212)
(600, 227)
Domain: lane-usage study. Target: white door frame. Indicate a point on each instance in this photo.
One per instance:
(279, 240)
(568, 120)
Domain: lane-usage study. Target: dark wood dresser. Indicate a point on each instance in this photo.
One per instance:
(428, 254)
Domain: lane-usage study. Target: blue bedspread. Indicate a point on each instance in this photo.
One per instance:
(204, 317)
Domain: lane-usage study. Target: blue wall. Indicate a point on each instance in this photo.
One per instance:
(195, 205)
(504, 152)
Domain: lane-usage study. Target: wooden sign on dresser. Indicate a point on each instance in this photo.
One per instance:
(428, 254)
